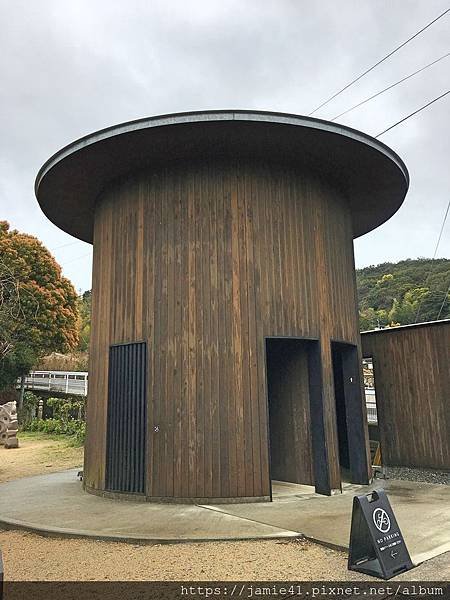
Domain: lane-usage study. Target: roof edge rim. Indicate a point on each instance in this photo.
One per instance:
(403, 327)
(218, 115)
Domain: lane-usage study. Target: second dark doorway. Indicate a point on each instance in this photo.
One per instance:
(350, 419)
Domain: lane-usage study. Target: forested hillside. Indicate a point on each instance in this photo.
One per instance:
(402, 293)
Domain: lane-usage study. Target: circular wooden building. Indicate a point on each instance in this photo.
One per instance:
(225, 346)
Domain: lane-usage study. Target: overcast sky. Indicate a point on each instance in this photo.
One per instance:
(70, 68)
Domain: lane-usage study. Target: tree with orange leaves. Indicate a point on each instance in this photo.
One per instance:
(38, 306)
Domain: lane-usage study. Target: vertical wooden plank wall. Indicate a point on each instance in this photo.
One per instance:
(203, 261)
(412, 378)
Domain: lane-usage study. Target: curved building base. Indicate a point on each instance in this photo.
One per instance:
(170, 500)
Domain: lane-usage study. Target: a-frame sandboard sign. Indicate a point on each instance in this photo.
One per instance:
(377, 546)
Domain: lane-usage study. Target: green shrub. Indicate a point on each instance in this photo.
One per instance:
(30, 400)
(79, 432)
(73, 428)
(67, 408)
(29, 407)
(67, 419)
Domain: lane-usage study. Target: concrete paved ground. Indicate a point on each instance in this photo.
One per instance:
(422, 511)
(57, 504)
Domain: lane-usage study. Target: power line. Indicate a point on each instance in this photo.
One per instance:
(439, 239)
(74, 259)
(443, 302)
(64, 245)
(390, 87)
(442, 229)
(379, 62)
(434, 256)
(413, 113)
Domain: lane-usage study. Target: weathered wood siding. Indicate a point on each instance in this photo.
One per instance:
(203, 261)
(412, 378)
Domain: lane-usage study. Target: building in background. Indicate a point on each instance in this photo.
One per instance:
(411, 368)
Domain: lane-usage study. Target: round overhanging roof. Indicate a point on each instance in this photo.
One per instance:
(372, 176)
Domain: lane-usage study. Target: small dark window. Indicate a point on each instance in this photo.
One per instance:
(127, 416)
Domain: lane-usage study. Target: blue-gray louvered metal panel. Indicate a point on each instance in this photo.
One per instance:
(127, 418)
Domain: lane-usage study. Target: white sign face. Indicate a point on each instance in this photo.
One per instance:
(381, 520)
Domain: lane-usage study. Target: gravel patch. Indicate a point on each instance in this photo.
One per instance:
(419, 475)
(29, 557)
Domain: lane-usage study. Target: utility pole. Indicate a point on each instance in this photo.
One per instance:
(22, 391)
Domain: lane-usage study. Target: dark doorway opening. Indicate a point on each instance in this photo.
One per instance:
(295, 406)
(351, 428)
(341, 413)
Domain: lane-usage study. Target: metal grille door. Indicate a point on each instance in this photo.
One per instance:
(127, 418)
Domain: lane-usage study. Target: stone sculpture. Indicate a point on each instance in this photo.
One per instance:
(8, 425)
